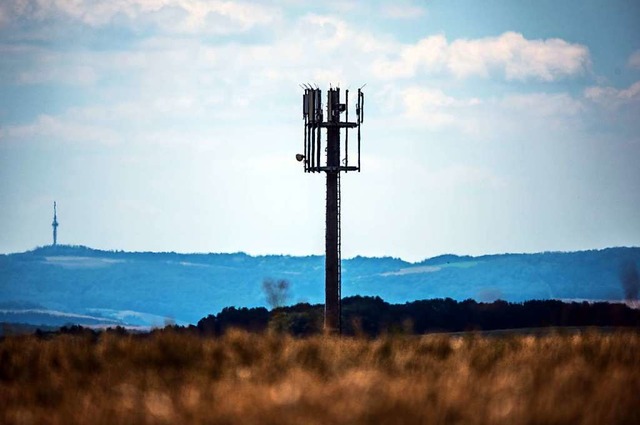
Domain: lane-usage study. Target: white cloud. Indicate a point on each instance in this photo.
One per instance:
(182, 16)
(314, 48)
(174, 89)
(402, 11)
(634, 60)
(517, 116)
(612, 97)
(433, 108)
(56, 129)
(490, 118)
(74, 74)
(543, 105)
(510, 53)
(429, 54)
(171, 89)
(313, 32)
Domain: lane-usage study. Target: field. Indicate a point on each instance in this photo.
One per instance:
(175, 377)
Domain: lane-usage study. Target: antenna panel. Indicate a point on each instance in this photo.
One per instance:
(360, 107)
(335, 155)
(304, 106)
(317, 105)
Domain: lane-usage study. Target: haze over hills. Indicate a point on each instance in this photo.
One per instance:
(75, 284)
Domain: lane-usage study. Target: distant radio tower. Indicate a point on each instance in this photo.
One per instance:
(55, 225)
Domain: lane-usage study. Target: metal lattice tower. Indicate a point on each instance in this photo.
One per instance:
(332, 160)
(55, 225)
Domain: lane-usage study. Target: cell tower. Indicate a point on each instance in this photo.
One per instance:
(55, 225)
(332, 159)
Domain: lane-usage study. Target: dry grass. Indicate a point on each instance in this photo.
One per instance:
(245, 378)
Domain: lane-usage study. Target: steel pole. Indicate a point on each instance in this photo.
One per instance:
(332, 248)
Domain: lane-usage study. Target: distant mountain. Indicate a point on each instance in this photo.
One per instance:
(71, 284)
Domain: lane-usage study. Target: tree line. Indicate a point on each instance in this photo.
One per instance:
(372, 316)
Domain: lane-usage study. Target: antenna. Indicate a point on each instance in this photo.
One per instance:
(55, 224)
(332, 164)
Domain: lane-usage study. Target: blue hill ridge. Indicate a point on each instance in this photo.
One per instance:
(77, 283)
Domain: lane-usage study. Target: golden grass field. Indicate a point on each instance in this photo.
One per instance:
(170, 377)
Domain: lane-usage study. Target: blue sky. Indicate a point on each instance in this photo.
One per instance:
(172, 125)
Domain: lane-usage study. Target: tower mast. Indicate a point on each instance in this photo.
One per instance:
(55, 225)
(332, 163)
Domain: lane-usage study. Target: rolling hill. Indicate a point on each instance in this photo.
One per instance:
(75, 284)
